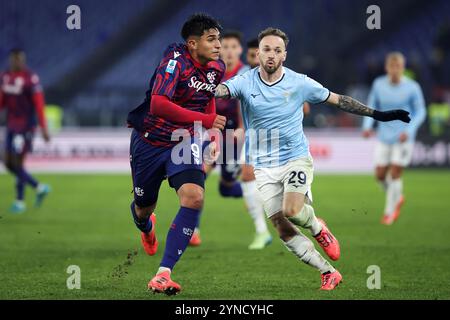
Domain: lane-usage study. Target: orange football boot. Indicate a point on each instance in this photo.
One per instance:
(195, 239)
(330, 280)
(161, 283)
(398, 207)
(387, 220)
(149, 241)
(328, 242)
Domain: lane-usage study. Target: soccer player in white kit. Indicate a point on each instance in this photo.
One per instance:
(271, 98)
(395, 144)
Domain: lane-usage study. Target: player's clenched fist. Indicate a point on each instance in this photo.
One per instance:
(219, 122)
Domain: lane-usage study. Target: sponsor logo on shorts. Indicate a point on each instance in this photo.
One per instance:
(139, 191)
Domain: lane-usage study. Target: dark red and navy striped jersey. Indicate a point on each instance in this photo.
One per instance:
(18, 88)
(229, 108)
(185, 82)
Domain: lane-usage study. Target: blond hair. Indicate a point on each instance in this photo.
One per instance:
(395, 55)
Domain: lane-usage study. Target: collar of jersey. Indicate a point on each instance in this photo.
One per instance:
(402, 79)
(271, 84)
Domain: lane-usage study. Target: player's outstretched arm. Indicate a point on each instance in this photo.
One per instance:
(222, 92)
(348, 104)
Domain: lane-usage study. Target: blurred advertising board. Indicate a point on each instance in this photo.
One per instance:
(107, 151)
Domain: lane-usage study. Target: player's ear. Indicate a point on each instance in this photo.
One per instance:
(192, 43)
(284, 56)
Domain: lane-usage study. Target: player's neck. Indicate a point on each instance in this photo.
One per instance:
(19, 69)
(232, 65)
(395, 80)
(271, 77)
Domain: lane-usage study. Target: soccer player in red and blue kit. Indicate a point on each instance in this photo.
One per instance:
(22, 97)
(181, 93)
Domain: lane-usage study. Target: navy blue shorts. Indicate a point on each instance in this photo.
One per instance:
(150, 165)
(19, 143)
(230, 169)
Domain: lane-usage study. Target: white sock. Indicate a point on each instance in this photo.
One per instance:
(254, 205)
(304, 249)
(385, 183)
(307, 219)
(390, 199)
(163, 269)
(397, 186)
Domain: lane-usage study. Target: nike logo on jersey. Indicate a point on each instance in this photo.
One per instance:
(254, 95)
(176, 54)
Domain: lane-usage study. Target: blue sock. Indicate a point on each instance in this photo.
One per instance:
(20, 189)
(198, 220)
(26, 177)
(234, 191)
(145, 225)
(179, 236)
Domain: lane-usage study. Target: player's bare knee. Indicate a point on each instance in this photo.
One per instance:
(380, 174)
(144, 212)
(191, 197)
(292, 209)
(285, 229)
(396, 172)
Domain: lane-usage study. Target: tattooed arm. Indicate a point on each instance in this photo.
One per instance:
(348, 104)
(222, 92)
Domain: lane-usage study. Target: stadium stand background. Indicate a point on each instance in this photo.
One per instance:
(100, 72)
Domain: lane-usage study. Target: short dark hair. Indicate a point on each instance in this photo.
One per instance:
(253, 43)
(273, 32)
(197, 24)
(233, 34)
(15, 51)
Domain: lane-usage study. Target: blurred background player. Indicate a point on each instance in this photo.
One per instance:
(395, 145)
(22, 97)
(252, 53)
(181, 92)
(230, 169)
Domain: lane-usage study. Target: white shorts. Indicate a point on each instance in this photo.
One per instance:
(273, 183)
(399, 154)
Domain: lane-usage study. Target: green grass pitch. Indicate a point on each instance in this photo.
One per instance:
(86, 222)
